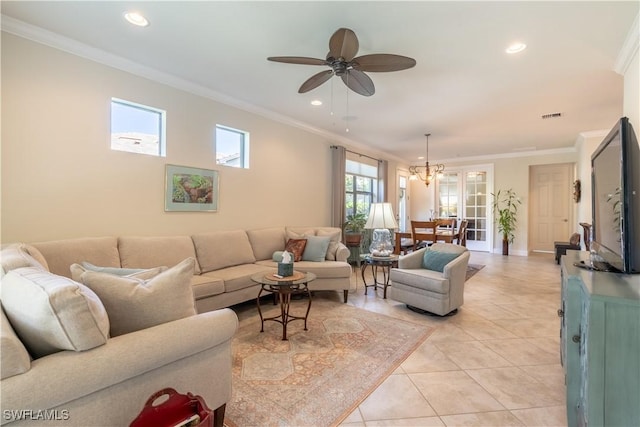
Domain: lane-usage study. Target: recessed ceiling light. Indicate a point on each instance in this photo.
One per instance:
(316, 102)
(136, 19)
(420, 157)
(516, 47)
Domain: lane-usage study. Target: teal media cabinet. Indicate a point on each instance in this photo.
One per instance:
(600, 345)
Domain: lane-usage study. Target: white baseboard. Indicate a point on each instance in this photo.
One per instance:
(511, 252)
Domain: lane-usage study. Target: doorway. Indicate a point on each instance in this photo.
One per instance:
(550, 213)
(402, 207)
(464, 193)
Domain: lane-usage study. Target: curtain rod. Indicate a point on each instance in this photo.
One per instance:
(359, 154)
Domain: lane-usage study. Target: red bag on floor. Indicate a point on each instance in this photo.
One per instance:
(178, 410)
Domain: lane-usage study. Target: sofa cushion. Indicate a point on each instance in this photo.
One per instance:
(134, 304)
(18, 255)
(436, 260)
(149, 252)
(51, 313)
(222, 249)
(206, 285)
(323, 270)
(296, 247)
(15, 358)
(266, 241)
(316, 248)
(60, 254)
(239, 276)
(300, 232)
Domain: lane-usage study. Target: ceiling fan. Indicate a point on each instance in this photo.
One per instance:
(343, 47)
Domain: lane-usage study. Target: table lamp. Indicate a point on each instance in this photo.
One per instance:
(381, 219)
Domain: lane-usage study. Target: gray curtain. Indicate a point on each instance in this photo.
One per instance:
(339, 164)
(383, 182)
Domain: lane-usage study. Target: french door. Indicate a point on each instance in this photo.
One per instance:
(465, 193)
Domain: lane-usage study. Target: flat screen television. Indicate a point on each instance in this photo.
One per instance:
(615, 201)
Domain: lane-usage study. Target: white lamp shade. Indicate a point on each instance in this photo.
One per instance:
(381, 216)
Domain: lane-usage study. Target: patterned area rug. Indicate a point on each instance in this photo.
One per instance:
(317, 377)
(472, 269)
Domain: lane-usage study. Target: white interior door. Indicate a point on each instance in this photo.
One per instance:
(550, 205)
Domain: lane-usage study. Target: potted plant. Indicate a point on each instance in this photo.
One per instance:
(505, 205)
(353, 227)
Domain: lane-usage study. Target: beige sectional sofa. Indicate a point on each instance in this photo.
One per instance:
(225, 260)
(60, 367)
(104, 380)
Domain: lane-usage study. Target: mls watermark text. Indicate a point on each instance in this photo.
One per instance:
(36, 414)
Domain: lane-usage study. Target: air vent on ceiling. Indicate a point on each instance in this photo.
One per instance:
(551, 115)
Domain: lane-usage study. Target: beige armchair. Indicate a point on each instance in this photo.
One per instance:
(437, 292)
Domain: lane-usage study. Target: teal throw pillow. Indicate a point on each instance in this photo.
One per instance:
(316, 248)
(434, 260)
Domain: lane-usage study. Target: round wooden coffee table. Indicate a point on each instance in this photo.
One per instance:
(283, 288)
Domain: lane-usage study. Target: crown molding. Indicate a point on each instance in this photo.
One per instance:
(629, 49)
(489, 157)
(74, 47)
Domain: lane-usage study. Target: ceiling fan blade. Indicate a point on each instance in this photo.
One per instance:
(381, 62)
(343, 44)
(315, 81)
(359, 82)
(297, 60)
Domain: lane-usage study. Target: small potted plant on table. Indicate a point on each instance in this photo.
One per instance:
(353, 227)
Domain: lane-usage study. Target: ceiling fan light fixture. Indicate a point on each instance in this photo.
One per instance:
(342, 62)
(136, 18)
(515, 48)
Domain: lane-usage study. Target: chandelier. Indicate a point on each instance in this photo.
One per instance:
(430, 172)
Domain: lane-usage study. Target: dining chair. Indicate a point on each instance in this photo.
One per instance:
(446, 223)
(446, 230)
(423, 233)
(404, 242)
(462, 233)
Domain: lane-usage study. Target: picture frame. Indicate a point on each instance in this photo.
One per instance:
(190, 189)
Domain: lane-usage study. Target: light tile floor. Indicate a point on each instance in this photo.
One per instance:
(495, 363)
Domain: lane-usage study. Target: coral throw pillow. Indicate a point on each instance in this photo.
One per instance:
(296, 247)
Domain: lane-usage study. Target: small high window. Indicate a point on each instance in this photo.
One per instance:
(137, 128)
(232, 147)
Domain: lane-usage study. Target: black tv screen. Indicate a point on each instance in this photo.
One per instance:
(615, 174)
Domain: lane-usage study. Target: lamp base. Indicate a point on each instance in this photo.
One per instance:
(381, 245)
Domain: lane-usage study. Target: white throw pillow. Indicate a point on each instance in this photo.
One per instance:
(334, 243)
(138, 273)
(52, 313)
(134, 304)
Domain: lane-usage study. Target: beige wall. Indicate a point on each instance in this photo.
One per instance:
(509, 172)
(60, 179)
(631, 106)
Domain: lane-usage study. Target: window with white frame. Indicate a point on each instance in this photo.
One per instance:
(232, 147)
(361, 183)
(137, 128)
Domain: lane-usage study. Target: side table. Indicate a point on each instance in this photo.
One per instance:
(283, 288)
(385, 264)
